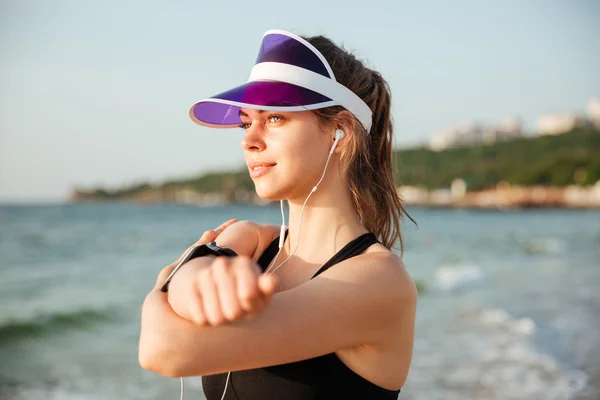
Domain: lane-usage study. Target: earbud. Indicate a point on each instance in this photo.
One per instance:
(339, 135)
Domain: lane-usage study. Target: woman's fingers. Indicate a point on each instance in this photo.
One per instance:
(207, 237)
(231, 288)
(246, 284)
(266, 287)
(226, 287)
(196, 311)
(210, 297)
(211, 234)
(226, 224)
(267, 284)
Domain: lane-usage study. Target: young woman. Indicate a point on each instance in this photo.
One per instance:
(323, 309)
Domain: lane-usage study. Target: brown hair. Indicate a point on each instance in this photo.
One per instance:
(367, 160)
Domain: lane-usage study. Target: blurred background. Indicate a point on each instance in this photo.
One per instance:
(104, 180)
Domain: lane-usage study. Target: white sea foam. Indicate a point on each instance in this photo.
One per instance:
(452, 277)
(498, 318)
(52, 394)
(488, 354)
(549, 245)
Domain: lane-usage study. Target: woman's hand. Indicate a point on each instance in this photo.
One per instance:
(213, 291)
(226, 290)
(207, 237)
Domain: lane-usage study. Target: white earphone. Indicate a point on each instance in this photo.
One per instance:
(339, 135)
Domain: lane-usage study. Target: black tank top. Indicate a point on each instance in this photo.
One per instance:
(319, 378)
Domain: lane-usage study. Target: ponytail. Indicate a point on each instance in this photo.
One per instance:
(367, 160)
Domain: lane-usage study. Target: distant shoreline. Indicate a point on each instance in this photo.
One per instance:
(502, 197)
(560, 171)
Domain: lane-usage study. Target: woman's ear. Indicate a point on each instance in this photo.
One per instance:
(345, 123)
(339, 135)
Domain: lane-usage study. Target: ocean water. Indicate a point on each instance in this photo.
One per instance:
(510, 307)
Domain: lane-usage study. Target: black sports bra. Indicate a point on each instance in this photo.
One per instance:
(319, 378)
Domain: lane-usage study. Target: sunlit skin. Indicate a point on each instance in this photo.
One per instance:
(363, 308)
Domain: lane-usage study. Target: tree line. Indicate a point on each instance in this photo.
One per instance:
(570, 158)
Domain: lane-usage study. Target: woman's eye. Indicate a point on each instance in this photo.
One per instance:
(275, 118)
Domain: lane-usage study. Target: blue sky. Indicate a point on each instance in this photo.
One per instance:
(97, 93)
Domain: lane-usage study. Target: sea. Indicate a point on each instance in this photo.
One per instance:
(509, 301)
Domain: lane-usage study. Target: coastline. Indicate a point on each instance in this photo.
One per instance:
(503, 197)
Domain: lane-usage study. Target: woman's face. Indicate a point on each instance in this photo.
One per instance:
(285, 152)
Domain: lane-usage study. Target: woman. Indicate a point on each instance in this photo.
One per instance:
(322, 309)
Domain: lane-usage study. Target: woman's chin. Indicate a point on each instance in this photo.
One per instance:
(267, 191)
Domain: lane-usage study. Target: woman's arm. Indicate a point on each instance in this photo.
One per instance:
(183, 299)
(247, 238)
(190, 289)
(366, 300)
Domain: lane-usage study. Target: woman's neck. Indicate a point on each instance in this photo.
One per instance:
(329, 222)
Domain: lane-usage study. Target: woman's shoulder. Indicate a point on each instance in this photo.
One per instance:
(380, 268)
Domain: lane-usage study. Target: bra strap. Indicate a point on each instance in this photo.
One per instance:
(352, 249)
(270, 252)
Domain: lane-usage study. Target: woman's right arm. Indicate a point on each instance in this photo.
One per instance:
(246, 238)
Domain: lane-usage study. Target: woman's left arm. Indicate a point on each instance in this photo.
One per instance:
(368, 299)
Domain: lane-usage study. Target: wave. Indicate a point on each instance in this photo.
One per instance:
(549, 245)
(488, 353)
(452, 277)
(54, 323)
(499, 319)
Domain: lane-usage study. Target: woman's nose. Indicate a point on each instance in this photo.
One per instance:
(253, 140)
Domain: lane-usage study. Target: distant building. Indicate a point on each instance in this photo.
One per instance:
(593, 112)
(557, 123)
(470, 134)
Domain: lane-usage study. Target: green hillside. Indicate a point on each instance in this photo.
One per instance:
(545, 160)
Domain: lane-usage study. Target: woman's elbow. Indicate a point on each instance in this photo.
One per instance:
(153, 352)
(149, 355)
(155, 359)
(169, 366)
(163, 347)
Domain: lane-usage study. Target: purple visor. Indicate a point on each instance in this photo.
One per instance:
(277, 47)
(290, 74)
(222, 110)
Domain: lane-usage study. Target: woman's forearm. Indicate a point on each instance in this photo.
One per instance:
(152, 351)
(158, 333)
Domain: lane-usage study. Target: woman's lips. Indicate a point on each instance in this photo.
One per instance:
(259, 169)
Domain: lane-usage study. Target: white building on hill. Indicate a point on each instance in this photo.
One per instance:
(557, 123)
(593, 111)
(471, 134)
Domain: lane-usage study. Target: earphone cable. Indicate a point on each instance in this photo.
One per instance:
(302, 214)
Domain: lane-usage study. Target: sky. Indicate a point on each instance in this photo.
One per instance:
(97, 93)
